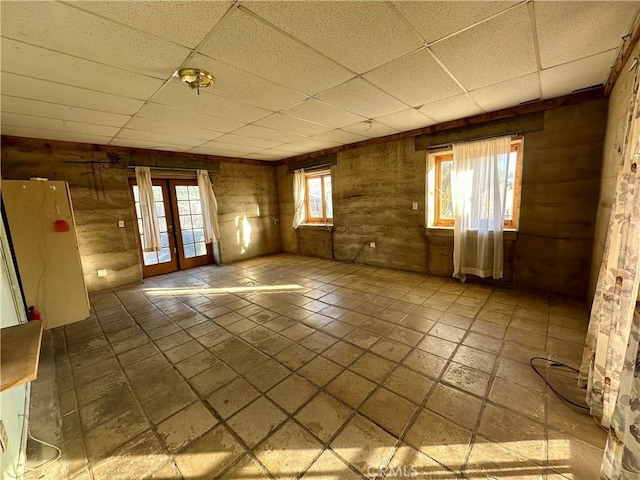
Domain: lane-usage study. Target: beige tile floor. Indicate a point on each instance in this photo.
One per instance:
(294, 367)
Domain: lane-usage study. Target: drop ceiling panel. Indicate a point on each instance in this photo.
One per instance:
(409, 119)
(184, 23)
(293, 125)
(358, 35)
(295, 148)
(452, 108)
(172, 126)
(415, 79)
(218, 151)
(248, 141)
(257, 131)
(61, 112)
(38, 62)
(275, 152)
(128, 142)
(264, 156)
(146, 136)
(231, 147)
(568, 31)
(509, 93)
(370, 130)
(564, 79)
(53, 135)
(362, 98)
(188, 118)
(69, 30)
(231, 82)
(181, 96)
(494, 51)
(340, 136)
(435, 20)
(42, 123)
(35, 89)
(320, 112)
(247, 43)
(286, 80)
(316, 143)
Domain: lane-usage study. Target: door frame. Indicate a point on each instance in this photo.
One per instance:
(159, 268)
(178, 260)
(183, 262)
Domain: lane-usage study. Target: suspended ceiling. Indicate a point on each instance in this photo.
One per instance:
(291, 77)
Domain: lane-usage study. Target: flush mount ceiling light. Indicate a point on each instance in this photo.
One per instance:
(196, 78)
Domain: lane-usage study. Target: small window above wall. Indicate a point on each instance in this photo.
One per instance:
(440, 175)
(319, 200)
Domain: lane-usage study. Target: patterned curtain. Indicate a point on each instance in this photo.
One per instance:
(610, 364)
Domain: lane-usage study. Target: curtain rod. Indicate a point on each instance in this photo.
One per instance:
(314, 167)
(167, 168)
(440, 146)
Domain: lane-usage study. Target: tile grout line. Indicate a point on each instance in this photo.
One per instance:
(368, 350)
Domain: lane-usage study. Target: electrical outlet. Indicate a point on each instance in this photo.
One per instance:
(415, 205)
(102, 273)
(372, 244)
(120, 223)
(3, 437)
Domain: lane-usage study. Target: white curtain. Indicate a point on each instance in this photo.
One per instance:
(478, 187)
(150, 229)
(299, 192)
(209, 207)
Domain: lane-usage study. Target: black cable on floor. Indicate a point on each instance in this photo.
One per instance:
(354, 258)
(555, 363)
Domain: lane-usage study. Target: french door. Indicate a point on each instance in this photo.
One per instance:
(181, 227)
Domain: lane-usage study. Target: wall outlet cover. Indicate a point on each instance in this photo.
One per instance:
(102, 273)
(120, 223)
(415, 205)
(372, 244)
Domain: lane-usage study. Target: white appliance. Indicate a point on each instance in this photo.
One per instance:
(43, 233)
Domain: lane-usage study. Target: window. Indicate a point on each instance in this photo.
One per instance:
(440, 199)
(319, 202)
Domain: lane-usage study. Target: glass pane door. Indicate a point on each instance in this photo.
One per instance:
(164, 261)
(192, 249)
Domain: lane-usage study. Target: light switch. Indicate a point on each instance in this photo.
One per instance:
(121, 223)
(102, 273)
(415, 205)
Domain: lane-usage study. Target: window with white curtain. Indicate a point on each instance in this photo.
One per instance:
(440, 209)
(313, 198)
(319, 199)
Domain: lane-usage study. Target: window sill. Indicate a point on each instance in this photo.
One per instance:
(448, 232)
(312, 225)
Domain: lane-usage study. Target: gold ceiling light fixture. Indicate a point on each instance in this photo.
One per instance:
(196, 78)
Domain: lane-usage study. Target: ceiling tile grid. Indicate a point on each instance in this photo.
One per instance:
(357, 35)
(415, 79)
(66, 29)
(499, 49)
(568, 31)
(180, 22)
(435, 20)
(249, 44)
(291, 77)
